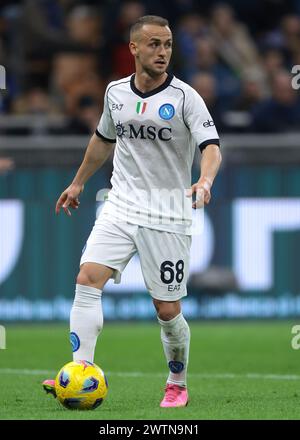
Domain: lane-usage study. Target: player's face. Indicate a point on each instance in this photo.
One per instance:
(153, 49)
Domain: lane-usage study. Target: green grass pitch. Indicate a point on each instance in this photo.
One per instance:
(237, 370)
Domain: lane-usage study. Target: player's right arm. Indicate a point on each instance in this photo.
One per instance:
(96, 154)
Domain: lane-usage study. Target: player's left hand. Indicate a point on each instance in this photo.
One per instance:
(202, 190)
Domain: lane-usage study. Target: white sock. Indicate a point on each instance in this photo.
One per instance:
(86, 322)
(175, 337)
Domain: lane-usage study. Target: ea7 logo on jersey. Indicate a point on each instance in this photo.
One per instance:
(116, 106)
(144, 132)
(208, 123)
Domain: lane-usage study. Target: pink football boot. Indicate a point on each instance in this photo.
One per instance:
(49, 386)
(175, 396)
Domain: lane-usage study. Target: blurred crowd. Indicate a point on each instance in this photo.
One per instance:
(59, 56)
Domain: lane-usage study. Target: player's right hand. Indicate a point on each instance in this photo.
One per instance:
(69, 199)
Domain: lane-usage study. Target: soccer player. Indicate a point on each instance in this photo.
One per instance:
(155, 121)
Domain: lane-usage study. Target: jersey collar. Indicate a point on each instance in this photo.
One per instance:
(163, 86)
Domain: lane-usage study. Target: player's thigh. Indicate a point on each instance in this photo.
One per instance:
(165, 259)
(108, 250)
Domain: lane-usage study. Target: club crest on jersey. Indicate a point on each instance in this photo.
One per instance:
(141, 107)
(166, 111)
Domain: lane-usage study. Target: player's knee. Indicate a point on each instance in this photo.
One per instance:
(167, 310)
(166, 316)
(94, 275)
(86, 278)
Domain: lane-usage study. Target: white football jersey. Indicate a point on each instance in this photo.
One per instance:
(156, 134)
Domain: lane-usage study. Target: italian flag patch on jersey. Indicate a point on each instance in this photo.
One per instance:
(141, 107)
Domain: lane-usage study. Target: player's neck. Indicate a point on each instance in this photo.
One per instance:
(145, 83)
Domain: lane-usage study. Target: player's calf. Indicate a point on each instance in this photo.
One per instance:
(175, 337)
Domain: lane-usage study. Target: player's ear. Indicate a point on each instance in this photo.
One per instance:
(133, 48)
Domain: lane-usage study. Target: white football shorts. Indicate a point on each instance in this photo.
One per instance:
(164, 256)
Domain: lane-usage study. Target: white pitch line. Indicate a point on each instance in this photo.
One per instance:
(26, 372)
(260, 376)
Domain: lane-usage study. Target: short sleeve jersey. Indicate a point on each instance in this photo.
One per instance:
(156, 134)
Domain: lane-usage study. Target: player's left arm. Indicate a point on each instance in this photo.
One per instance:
(209, 165)
(204, 133)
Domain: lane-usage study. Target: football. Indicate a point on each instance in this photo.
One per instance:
(81, 385)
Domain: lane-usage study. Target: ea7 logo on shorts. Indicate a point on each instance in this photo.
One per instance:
(208, 123)
(166, 111)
